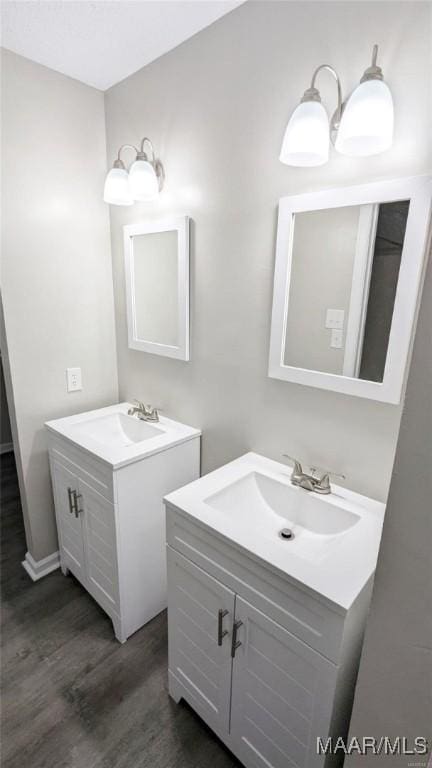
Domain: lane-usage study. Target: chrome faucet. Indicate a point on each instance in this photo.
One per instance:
(311, 482)
(144, 412)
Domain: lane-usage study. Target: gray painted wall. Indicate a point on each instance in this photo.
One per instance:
(216, 109)
(394, 689)
(56, 267)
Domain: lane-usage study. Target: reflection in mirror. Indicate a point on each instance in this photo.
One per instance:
(157, 286)
(342, 288)
(155, 293)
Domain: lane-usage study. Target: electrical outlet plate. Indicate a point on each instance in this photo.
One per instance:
(335, 319)
(74, 379)
(336, 340)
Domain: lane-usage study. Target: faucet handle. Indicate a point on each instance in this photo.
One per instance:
(323, 484)
(152, 408)
(151, 412)
(297, 469)
(327, 473)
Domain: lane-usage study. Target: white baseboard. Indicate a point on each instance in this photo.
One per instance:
(6, 447)
(37, 569)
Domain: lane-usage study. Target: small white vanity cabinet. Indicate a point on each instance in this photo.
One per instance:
(268, 664)
(108, 496)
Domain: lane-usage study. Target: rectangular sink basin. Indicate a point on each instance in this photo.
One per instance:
(324, 543)
(117, 429)
(118, 439)
(258, 501)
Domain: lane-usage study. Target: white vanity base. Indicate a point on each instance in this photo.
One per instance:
(114, 542)
(291, 678)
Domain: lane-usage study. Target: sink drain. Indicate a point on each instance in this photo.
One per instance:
(287, 534)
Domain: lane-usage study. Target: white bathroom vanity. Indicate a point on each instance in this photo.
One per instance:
(110, 472)
(265, 632)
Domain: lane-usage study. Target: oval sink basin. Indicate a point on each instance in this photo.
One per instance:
(118, 439)
(260, 502)
(328, 543)
(116, 430)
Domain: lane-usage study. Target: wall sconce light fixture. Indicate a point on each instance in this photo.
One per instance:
(362, 125)
(142, 182)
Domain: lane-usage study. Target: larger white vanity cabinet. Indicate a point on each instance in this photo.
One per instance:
(269, 664)
(109, 511)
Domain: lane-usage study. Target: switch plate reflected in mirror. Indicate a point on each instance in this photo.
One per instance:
(349, 266)
(347, 258)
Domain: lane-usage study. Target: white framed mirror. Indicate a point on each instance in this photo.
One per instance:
(157, 286)
(348, 273)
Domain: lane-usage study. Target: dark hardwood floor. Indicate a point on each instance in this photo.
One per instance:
(72, 697)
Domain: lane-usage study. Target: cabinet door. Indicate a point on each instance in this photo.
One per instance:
(282, 694)
(199, 656)
(101, 547)
(65, 483)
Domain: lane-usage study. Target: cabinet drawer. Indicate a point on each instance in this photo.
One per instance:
(83, 465)
(295, 609)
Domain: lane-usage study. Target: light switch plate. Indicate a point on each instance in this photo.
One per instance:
(335, 318)
(74, 379)
(336, 339)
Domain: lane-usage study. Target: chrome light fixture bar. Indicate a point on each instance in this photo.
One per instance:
(143, 181)
(362, 125)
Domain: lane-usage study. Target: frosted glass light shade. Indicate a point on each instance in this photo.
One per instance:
(306, 140)
(116, 190)
(367, 121)
(143, 183)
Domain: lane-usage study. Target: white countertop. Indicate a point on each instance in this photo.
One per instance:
(335, 566)
(108, 443)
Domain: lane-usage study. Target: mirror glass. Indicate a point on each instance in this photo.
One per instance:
(157, 286)
(342, 287)
(155, 292)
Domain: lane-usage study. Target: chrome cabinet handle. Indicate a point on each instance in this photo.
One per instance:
(221, 631)
(235, 643)
(75, 508)
(70, 497)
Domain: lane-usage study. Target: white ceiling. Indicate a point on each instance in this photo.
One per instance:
(99, 42)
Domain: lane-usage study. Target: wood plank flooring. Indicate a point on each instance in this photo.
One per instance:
(72, 697)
